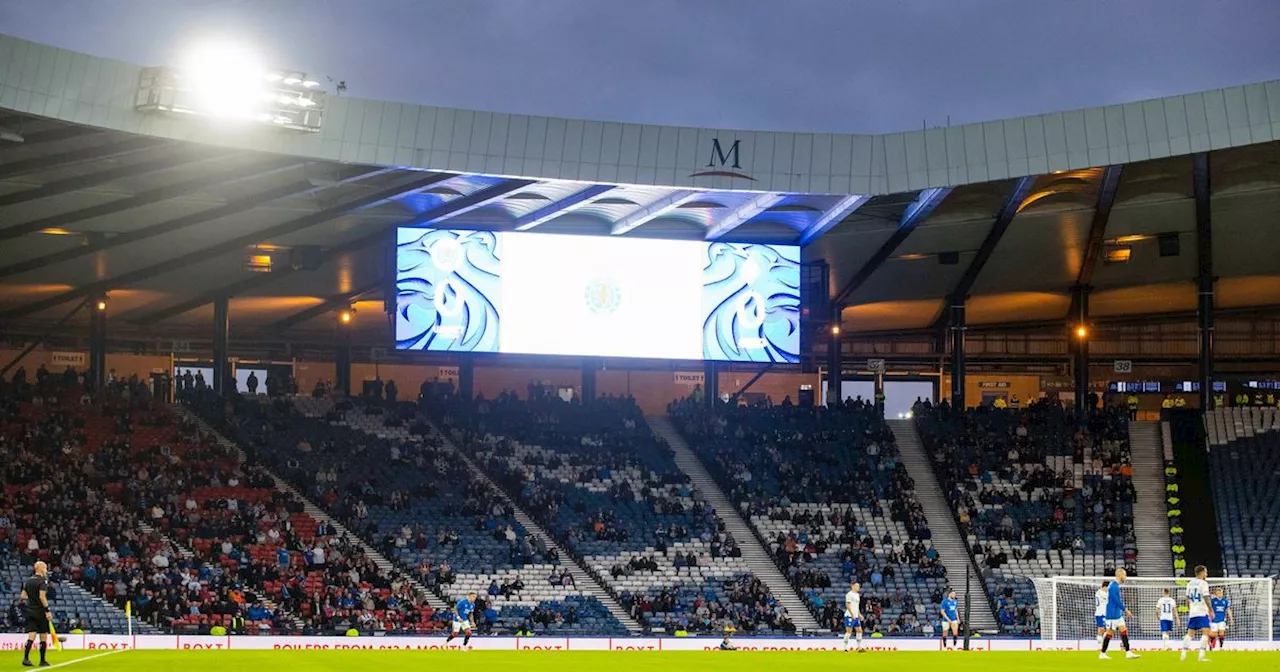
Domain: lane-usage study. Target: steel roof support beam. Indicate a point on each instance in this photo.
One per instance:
(563, 206)
(743, 214)
(221, 338)
(58, 134)
(152, 165)
(833, 216)
(1078, 344)
(926, 202)
(239, 242)
(1205, 280)
(956, 330)
(213, 178)
(654, 210)
(329, 304)
(464, 204)
(1098, 228)
(1012, 205)
(48, 162)
(954, 314)
(459, 204)
(105, 243)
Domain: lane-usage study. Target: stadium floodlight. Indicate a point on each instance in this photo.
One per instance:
(228, 82)
(1067, 606)
(225, 80)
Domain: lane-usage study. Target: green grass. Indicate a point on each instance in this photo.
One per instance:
(628, 661)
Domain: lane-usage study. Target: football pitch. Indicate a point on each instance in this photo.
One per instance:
(632, 661)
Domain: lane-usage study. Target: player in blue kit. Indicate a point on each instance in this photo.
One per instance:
(462, 615)
(950, 619)
(1220, 614)
(1116, 613)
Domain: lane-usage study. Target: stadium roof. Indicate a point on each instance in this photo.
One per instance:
(167, 214)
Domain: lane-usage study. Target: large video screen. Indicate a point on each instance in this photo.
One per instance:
(530, 293)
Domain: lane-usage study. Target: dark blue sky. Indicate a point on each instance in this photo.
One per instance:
(805, 65)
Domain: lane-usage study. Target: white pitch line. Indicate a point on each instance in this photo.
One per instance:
(81, 660)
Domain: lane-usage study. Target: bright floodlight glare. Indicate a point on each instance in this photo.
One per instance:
(226, 79)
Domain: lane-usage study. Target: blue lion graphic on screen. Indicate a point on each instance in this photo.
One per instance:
(751, 303)
(448, 290)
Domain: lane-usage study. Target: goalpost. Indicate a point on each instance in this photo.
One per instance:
(1067, 606)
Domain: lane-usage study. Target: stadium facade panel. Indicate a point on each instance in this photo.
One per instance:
(81, 89)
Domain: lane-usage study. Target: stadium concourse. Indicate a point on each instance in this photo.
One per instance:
(765, 367)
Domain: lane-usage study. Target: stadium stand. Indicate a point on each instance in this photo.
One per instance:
(1244, 456)
(118, 200)
(1036, 495)
(256, 563)
(419, 506)
(84, 477)
(608, 489)
(824, 490)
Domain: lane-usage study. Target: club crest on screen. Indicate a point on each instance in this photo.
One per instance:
(447, 253)
(603, 296)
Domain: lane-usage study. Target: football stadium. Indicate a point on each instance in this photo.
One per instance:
(296, 378)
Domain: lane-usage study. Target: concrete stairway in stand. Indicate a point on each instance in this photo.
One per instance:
(947, 539)
(1151, 521)
(384, 564)
(583, 580)
(755, 554)
(182, 551)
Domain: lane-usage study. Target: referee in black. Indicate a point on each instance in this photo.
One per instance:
(39, 616)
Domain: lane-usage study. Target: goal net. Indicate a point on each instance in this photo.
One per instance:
(1067, 606)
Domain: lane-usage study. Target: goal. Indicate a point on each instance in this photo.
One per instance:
(1066, 606)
